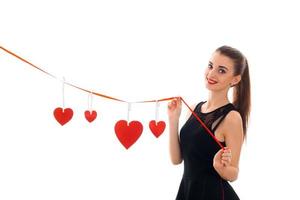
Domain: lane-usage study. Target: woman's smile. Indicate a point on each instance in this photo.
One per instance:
(210, 81)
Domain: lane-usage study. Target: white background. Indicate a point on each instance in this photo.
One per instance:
(139, 50)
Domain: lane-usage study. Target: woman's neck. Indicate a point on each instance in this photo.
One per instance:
(216, 99)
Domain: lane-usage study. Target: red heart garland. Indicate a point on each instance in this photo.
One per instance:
(128, 135)
(63, 115)
(157, 129)
(90, 116)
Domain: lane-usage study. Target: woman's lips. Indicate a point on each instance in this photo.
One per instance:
(210, 81)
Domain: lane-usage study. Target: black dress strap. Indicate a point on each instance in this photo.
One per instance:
(198, 106)
(222, 116)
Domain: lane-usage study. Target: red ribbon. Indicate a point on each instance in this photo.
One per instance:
(109, 97)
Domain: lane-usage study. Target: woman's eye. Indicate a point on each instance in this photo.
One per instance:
(210, 66)
(222, 71)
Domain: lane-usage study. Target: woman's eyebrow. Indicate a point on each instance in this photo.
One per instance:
(221, 66)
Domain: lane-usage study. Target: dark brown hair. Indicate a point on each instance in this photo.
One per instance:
(242, 90)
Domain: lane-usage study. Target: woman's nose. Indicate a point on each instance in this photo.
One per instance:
(211, 74)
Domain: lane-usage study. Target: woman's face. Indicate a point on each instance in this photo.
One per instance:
(219, 74)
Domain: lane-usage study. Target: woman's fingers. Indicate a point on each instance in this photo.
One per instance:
(226, 156)
(225, 163)
(172, 104)
(177, 101)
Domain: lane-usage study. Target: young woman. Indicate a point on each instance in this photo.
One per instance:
(207, 167)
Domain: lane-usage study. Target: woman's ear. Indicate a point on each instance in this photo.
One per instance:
(236, 80)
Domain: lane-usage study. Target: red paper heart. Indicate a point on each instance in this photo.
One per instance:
(157, 129)
(128, 134)
(90, 116)
(63, 115)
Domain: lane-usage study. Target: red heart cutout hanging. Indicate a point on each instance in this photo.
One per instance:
(90, 116)
(157, 128)
(63, 115)
(128, 135)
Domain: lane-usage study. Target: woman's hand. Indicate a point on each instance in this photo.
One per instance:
(222, 158)
(174, 108)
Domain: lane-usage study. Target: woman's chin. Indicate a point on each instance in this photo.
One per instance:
(211, 88)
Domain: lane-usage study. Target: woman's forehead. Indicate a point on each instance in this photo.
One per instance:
(219, 59)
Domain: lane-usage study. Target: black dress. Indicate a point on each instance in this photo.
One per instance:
(200, 181)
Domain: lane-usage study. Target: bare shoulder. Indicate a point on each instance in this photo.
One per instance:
(233, 123)
(234, 118)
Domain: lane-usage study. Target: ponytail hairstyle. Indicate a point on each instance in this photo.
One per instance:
(242, 90)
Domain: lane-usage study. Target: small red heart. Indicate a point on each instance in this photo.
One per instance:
(128, 134)
(157, 128)
(90, 116)
(63, 115)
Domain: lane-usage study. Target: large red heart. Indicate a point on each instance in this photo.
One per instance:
(90, 116)
(128, 134)
(157, 128)
(63, 115)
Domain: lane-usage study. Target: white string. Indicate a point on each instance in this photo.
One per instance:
(128, 111)
(156, 111)
(90, 101)
(89, 106)
(63, 93)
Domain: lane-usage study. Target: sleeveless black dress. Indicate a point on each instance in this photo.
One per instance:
(200, 180)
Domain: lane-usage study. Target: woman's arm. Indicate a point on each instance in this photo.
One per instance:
(226, 162)
(174, 111)
(175, 153)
